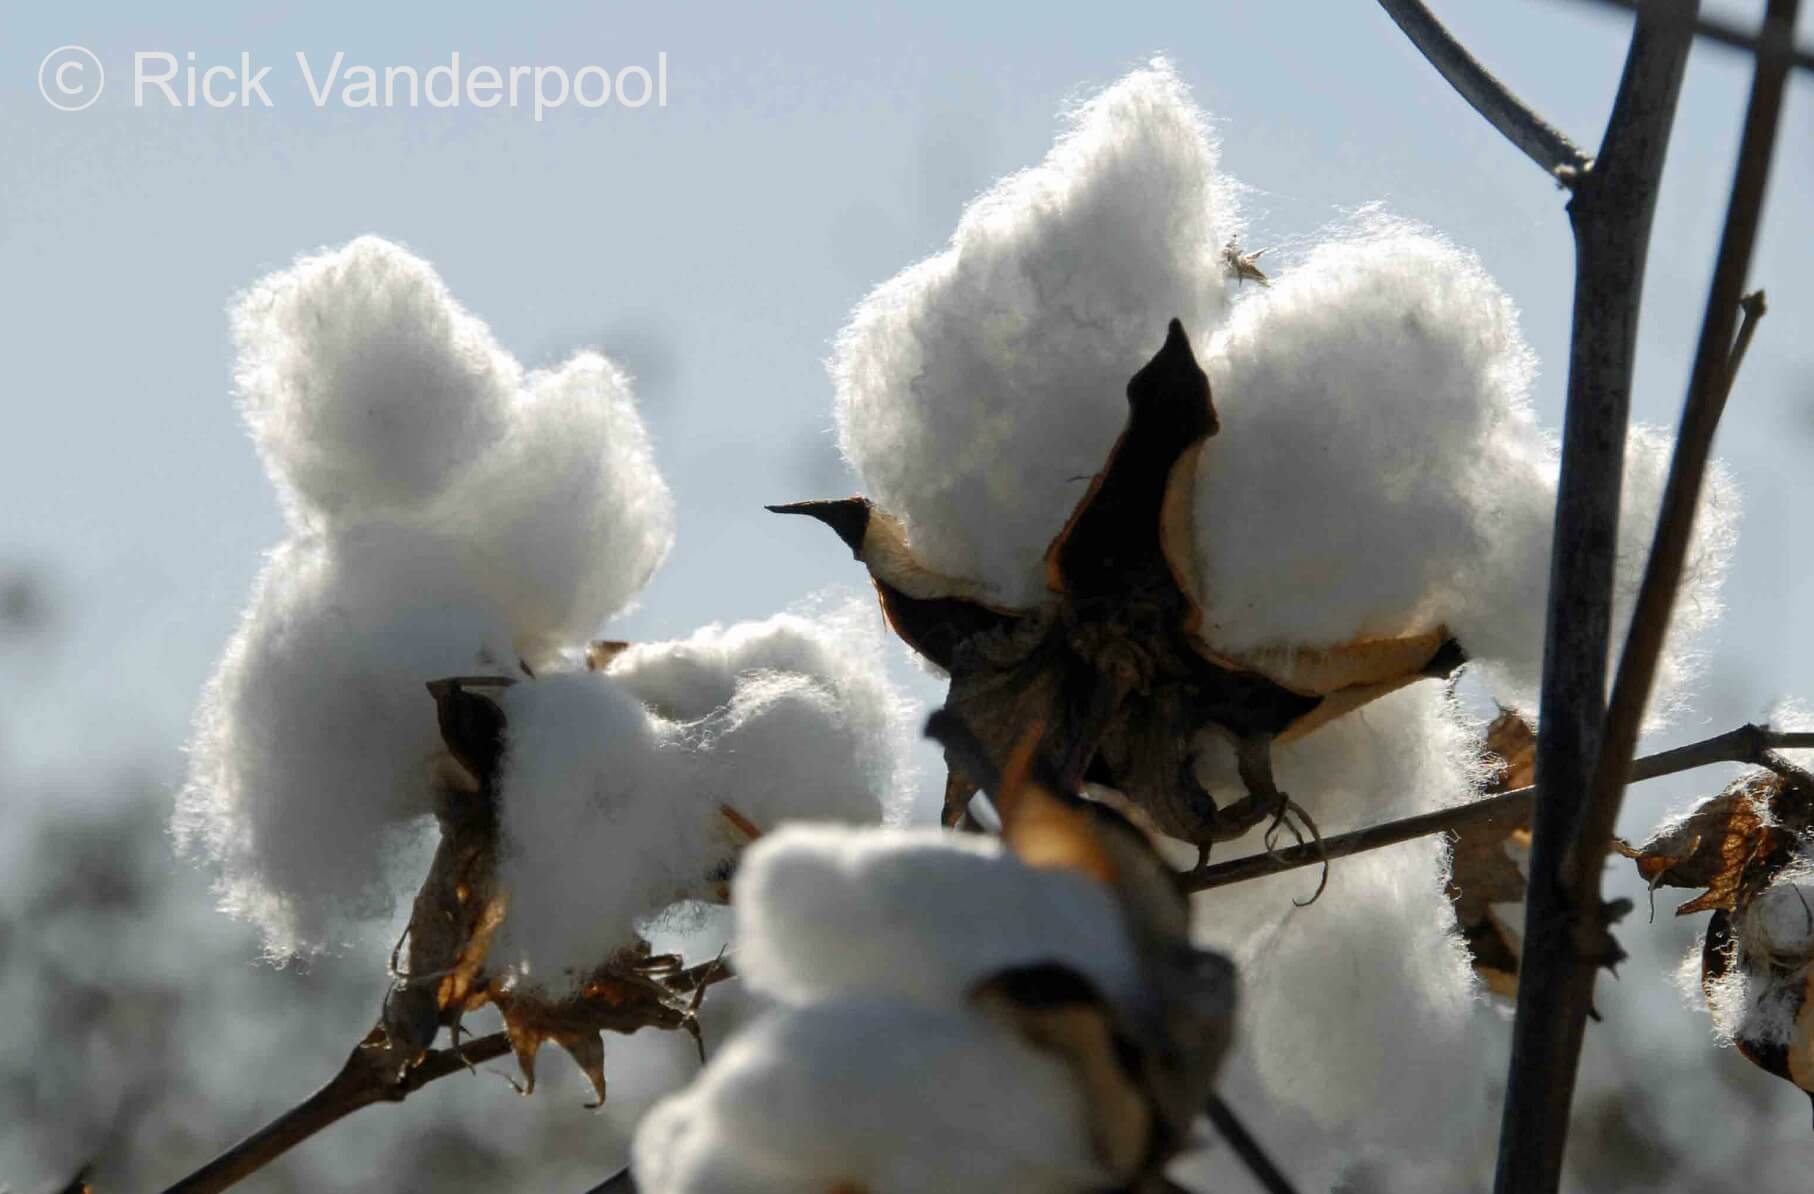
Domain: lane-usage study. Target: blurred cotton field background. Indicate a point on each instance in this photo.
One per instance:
(711, 249)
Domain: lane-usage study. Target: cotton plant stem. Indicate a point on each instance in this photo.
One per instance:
(1566, 937)
(1716, 363)
(1269, 1176)
(1560, 158)
(621, 1182)
(361, 1082)
(1751, 744)
(1715, 30)
(365, 1079)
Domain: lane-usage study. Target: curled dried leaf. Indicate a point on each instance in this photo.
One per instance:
(1487, 860)
(1730, 844)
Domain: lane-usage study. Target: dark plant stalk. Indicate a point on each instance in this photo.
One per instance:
(1566, 937)
(621, 1182)
(1715, 366)
(361, 1082)
(1269, 1176)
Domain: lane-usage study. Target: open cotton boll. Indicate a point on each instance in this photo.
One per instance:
(919, 914)
(599, 826)
(568, 517)
(315, 736)
(979, 390)
(1379, 471)
(367, 387)
(870, 1094)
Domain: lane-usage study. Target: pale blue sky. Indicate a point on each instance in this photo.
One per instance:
(806, 153)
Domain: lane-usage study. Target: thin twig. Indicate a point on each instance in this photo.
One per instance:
(1560, 158)
(1271, 1178)
(1716, 30)
(369, 1076)
(361, 1082)
(1750, 744)
(621, 1182)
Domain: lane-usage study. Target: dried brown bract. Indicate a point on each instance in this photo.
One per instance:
(1752, 849)
(459, 909)
(1484, 861)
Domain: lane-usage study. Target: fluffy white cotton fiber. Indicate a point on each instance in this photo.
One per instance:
(919, 915)
(797, 697)
(1379, 470)
(877, 1073)
(980, 389)
(566, 517)
(366, 386)
(313, 744)
(1374, 436)
(612, 809)
(373, 395)
(877, 1095)
(1368, 988)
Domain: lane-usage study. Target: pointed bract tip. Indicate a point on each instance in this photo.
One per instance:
(849, 517)
(1173, 374)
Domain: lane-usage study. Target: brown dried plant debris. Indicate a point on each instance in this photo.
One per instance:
(459, 909)
(1751, 848)
(1731, 844)
(1147, 1071)
(1113, 665)
(1485, 859)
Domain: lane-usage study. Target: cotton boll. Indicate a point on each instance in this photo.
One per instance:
(796, 712)
(598, 826)
(886, 1097)
(367, 387)
(1374, 431)
(312, 748)
(1369, 988)
(616, 807)
(1779, 924)
(785, 748)
(980, 389)
(567, 518)
(919, 914)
